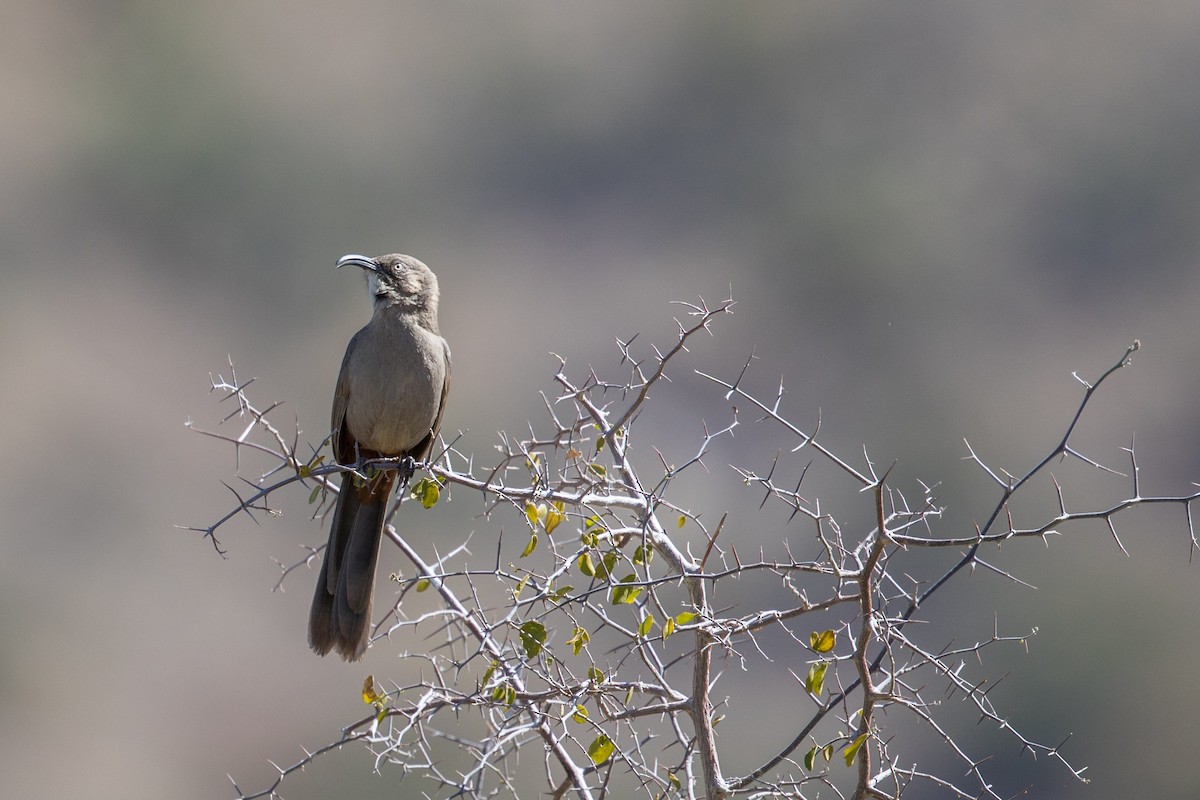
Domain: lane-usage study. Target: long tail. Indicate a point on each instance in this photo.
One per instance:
(341, 610)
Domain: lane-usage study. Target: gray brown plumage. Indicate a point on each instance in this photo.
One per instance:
(388, 403)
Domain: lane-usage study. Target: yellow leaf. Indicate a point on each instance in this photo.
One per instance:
(370, 695)
(601, 749)
(586, 566)
(822, 642)
(554, 516)
(529, 548)
(668, 627)
(646, 626)
(580, 715)
(427, 492)
(682, 520)
(684, 617)
(852, 749)
(422, 584)
(815, 680)
(531, 513)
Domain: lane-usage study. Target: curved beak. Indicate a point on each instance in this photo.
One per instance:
(358, 261)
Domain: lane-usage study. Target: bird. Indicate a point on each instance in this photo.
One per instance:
(388, 403)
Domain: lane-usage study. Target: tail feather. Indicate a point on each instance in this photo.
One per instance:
(341, 611)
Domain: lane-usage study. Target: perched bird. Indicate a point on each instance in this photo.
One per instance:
(388, 403)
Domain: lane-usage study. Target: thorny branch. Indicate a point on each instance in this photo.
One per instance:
(599, 649)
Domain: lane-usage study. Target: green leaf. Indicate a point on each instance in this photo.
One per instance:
(580, 715)
(314, 494)
(579, 637)
(646, 626)
(422, 584)
(674, 781)
(682, 520)
(487, 676)
(810, 759)
(668, 627)
(531, 513)
(598, 469)
(560, 593)
(644, 554)
(595, 674)
(852, 749)
(827, 752)
(601, 749)
(822, 642)
(586, 566)
(815, 680)
(604, 570)
(625, 593)
(529, 548)
(520, 586)
(684, 617)
(533, 637)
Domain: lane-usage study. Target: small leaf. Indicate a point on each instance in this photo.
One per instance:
(533, 637)
(815, 680)
(646, 626)
(598, 469)
(531, 513)
(560, 593)
(827, 752)
(554, 516)
(595, 674)
(684, 617)
(604, 570)
(601, 749)
(668, 627)
(579, 637)
(674, 781)
(644, 554)
(487, 676)
(586, 566)
(810, 759)
(599, 444)
(314, 494)
(852, 749)
(822, 642)
(624, 593)
(422, 584)
(370, 695)
(580, 715)
(427, 492)
(682, 520)
(529, 548)
(521, 586)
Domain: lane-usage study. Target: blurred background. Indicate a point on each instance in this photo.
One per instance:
(930, 214)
